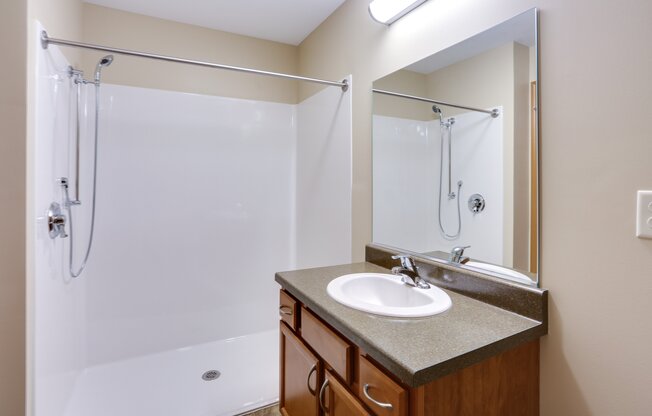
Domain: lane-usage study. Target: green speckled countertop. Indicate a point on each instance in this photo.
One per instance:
(416, 350)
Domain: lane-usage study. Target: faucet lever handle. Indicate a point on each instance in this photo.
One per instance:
(460, 249)
(456, 253)
(407, 262)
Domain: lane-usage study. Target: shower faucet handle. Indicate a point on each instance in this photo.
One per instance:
(56, 221)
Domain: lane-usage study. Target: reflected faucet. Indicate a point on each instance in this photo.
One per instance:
(457, 255)
(409, 272)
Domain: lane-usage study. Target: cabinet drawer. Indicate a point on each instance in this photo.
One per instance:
(288, 310)
(382, 394)
(335, 350)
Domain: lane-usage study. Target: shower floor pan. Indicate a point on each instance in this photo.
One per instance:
(180, 382)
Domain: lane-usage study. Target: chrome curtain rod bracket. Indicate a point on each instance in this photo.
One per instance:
(493, 113)
(46, 41)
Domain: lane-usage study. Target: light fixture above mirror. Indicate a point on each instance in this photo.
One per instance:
(389, 11)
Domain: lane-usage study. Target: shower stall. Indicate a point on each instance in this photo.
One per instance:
(197, 201)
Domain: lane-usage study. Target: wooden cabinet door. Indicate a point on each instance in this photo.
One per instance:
(301, 374)
(338, 400)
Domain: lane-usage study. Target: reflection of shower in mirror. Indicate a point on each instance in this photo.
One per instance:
(440, 162)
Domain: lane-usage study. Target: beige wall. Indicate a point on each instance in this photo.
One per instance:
(595, 361)
(13, 43)
(521, 182)
(406, 82)
(61, 19)
(120, 29)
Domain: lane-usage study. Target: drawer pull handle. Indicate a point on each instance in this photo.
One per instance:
(365, 390)
(321, 396)
(285, 310)
(312, 370)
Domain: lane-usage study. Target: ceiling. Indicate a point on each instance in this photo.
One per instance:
(286, 21)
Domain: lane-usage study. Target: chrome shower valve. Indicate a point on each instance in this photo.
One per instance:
(56, 222)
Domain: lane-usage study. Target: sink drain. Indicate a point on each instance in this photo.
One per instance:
(210, 375)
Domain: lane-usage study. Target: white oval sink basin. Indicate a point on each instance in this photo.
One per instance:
(385, 294)
(505, 272)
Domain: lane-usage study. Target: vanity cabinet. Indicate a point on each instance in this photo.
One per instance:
(322, 373)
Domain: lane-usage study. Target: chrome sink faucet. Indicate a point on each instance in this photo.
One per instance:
(409, 272)
(457, 255)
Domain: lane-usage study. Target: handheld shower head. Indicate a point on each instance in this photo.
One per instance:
(105, 61)
(440, 113)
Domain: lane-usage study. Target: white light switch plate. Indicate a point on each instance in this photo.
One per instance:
(644, 214)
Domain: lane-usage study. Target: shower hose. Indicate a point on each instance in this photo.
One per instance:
(76, 272)
(443, 128)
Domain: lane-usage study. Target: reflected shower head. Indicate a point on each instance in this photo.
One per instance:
(438, 111)
(105, 61)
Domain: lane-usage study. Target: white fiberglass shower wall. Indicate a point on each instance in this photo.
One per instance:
(200, 200)
(406, 155)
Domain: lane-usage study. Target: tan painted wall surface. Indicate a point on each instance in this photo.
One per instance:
(521, 157)
(406, 82)
(13, 29)
(595, 361)
(120, 29)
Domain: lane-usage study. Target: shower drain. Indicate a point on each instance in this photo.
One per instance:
(210, 375)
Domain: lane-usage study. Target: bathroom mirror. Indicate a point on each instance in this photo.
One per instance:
(455, 153)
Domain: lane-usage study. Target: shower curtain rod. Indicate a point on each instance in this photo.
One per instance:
(46, 40)
(494, 113)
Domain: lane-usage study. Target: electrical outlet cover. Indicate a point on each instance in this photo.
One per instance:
(644, 214)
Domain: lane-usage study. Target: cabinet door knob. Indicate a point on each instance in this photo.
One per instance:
(365, 390)
(285, 310)
(321, 396)
(312, 370)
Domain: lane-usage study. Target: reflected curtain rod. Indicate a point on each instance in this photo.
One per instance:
(46, 41)
(494, 113)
